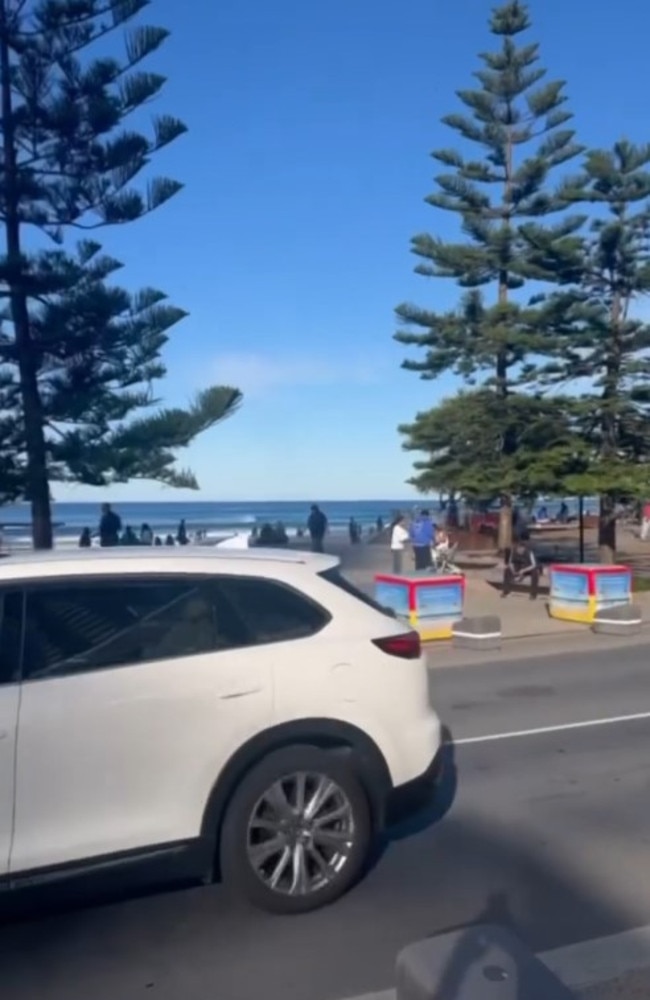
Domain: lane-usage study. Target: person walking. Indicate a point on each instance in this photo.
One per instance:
(399, 536)
(317, 527)
(422, 539)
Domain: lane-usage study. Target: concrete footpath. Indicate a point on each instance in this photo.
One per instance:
(520, 617)
(610, 968)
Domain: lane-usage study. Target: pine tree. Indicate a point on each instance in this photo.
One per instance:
(598, 341)
(464, 451)
(97, 350)
(518, 125)
(12, 473)
(67, 161)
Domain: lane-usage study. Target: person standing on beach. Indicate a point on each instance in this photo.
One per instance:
(146, 535)
(110, 526)
(317, 527)
(399, 536)
(181, 536)
(353, 531)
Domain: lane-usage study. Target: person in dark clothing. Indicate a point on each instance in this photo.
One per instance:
(521, 565)
(353, 531)
(129, 537)
(170, 540)
(317, 527)
(85, 540)
(110, 526)
(181, 537)
(146, 535)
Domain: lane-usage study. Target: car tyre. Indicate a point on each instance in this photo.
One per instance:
(300, 817)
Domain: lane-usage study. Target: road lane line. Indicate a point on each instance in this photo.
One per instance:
(562, 728)
(384, 995)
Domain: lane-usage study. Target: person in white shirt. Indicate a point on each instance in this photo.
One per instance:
(440, 547)
(399, 536)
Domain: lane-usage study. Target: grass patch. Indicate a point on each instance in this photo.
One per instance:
(641, 584)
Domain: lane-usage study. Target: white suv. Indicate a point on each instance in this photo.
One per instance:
(181, 714)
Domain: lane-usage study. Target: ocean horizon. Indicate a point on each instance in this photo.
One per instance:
(220, 518)
(214, 518)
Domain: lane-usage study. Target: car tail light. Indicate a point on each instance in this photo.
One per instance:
(407, 645)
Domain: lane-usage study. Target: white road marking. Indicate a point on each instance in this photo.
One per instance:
(588, 963)
(542, 730)
(384, 995)
(601, 959)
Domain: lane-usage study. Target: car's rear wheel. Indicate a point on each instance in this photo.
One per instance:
(297, 831)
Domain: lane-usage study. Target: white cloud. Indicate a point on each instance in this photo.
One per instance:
(258, 374)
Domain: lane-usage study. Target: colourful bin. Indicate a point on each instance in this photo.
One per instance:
(431, 604)
(578, 592)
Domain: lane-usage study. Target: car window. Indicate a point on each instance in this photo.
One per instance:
(93, 625)
(336, 577)
(271, 611)
(11, 636)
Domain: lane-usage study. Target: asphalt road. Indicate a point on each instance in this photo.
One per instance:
(549, 831)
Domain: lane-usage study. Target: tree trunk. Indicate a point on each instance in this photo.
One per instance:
(507, 446)
(37, 478)
(607, 529)
(502, 387)
(38, 484)
(504, 540)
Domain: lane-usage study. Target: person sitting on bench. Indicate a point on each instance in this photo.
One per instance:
(521, 563)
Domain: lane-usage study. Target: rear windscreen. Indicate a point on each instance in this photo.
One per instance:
(336, 577)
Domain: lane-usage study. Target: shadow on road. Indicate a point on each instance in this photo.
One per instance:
(467, 860)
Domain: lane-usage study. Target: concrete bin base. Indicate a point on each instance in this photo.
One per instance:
(477, 963)
(481, 633)
(624, 619)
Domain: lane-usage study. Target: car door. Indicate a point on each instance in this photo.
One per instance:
(136, 691)
(11, 630)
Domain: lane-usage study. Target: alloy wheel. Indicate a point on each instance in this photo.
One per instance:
(300, 833)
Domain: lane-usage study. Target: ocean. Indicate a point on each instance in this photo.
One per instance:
(220, 519)
(214, 519)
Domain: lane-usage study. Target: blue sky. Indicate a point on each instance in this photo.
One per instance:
(306, 166)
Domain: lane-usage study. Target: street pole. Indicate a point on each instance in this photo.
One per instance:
(581, 517)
